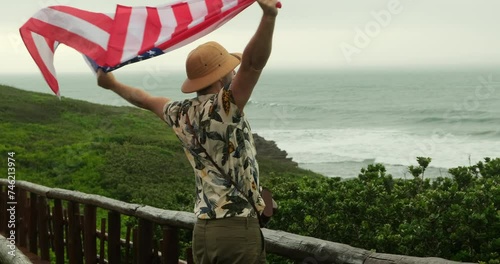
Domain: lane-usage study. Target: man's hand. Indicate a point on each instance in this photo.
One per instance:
(269, 7)
(106, 80)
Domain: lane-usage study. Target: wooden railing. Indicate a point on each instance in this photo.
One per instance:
(52, 219)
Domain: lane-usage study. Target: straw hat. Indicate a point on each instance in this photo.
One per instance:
(206, 64)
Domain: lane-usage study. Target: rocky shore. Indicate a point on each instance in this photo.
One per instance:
(267, 149)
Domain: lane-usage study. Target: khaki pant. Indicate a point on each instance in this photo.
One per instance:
(230, 240)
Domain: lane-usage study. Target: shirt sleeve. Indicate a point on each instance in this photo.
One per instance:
(171, 112)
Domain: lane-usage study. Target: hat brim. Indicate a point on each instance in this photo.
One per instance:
(194, 85)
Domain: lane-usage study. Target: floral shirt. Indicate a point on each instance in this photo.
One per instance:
(213, 125)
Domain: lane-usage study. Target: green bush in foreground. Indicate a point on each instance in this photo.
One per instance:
(455, 218)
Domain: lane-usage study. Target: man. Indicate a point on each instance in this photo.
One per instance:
(218, 142)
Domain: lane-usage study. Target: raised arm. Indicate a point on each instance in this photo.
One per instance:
(255, 55)
(133, 95)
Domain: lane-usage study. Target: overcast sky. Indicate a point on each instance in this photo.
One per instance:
(311, 34)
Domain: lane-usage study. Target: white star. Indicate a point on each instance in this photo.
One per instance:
(151, 52)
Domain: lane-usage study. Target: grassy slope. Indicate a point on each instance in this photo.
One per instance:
(120, 152)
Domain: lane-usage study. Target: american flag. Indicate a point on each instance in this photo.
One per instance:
(131, 34)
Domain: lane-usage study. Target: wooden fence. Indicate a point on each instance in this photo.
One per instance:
(65, 222)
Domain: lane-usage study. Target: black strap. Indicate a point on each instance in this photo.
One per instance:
(227, 177)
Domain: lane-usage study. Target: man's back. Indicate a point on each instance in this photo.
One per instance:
(211, 125)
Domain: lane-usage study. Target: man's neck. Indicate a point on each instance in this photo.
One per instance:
(213, 89)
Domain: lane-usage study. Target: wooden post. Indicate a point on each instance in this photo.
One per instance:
(74, 239)
(189, 255)
(135, 242)
(170, 245)
(21, 217)
(43, 232)
(58, 222)
(102, 253)
(89, 238)
(127, 245)
(114, 227)
(4, 219)
(145, 241)
(33, 224)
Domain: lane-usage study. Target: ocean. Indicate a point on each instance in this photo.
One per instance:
(337, 122)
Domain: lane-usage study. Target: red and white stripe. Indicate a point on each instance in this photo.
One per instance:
(113, 39)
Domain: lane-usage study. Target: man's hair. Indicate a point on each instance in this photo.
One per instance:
(202, 91)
